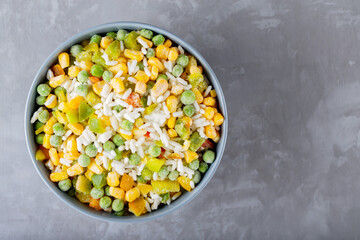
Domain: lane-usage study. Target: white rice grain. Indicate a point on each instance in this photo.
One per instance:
(207, 91)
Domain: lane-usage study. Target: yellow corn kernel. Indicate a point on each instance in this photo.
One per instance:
(127, 137)
(56, 81)
(59, 116)
(88, 174)
(142, 76)
(75, 102)
(162, 51)
(173, 54)
(154, 72)
(106, 121)
(144, 188)
(185, 182)
(186, 145)
(54, 157)
(194, 69)
(171, 103)
(39, 130)
(64, 59)
(94, 167)
(73, 71)
(187, 120)
(113, 179)
(210, 131)
(216, 139)
(209, 101)
(192, 62)
(122, 60)
(48, 127)
(153, 61)
(177, 89)
(51, 101)
(119, 67)
(139, 122)
(140, 87)
(174, 156)
(72, 155)
(117, 85)
(172, 133)
(198, 95)
(98, 87)
(135, 55)
(218, 119)
(132, 194)
(209, 113)
(147, 41)
(64, 167)
(106, 41)
(86, 65)
(63, 107)
(75, 169)
(171, 122)
(58, 176)
(160, 87)
(61, 155)
(71, 144)
(46, 142)
(213, 93)
(61, 97)
(190, 156)
(76, 128)
(117, 192)
(168, 43)
(39, 155)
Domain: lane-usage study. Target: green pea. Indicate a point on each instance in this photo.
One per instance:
(173, 175)
(143, 101)
(55, 141)
(111, 34)
(209, 156)
(109, 146)
(150, 53)
(130, 41)
(76, 49)
(58, 90)
(105, 202)
(177, 70)
(203, 167)
(121, 34)
(64, 185)
(91, 150)
(118, 154)
(83, 76)
(150, 85)
(107, 191)
(117, 205)
(58, 129)
(141, 65)
(165, 197)
(146, 33)
(154, 151)
(71, 192)
(43, 116)
(84, 160)
(97, 192)
(118, 108)
(43, 89)
(120, 213)
(82, 90)
(40, 100)
(196, 177)
(39, 139)
(134, 159)
(146, 174)
(96, 39)
(38, 125)
(189, 110)
(107, 76)
(140, 179)
(182, 60)
(118, 140)
(98, 180)
(158, 40)
(127, 125)
(163, 76)
(188, 97)
(163, 172)
(194, 165)
(97, 70)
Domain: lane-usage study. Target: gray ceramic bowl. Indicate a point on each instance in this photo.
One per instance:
(31, 105)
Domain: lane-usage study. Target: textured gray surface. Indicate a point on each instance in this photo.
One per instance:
(290, 74)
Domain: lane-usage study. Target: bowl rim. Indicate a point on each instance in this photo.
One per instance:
(30, 142)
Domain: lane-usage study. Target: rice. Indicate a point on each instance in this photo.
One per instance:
(49, 74)
(126, 132)
(147, 71)
(127, 93)
(207, 91)
(66, 162)
(121, 46)
(143, 43)
(131, 79)
(118, 74)
(143, 50)
(178, 114)
(181, 50)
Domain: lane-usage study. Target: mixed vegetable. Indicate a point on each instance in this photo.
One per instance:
(126, 122)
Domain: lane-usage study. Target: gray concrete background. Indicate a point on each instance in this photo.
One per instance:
(290, 73)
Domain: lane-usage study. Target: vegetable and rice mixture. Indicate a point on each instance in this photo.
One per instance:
(126, 122)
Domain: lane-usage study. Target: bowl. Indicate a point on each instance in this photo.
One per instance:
(43, 171)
